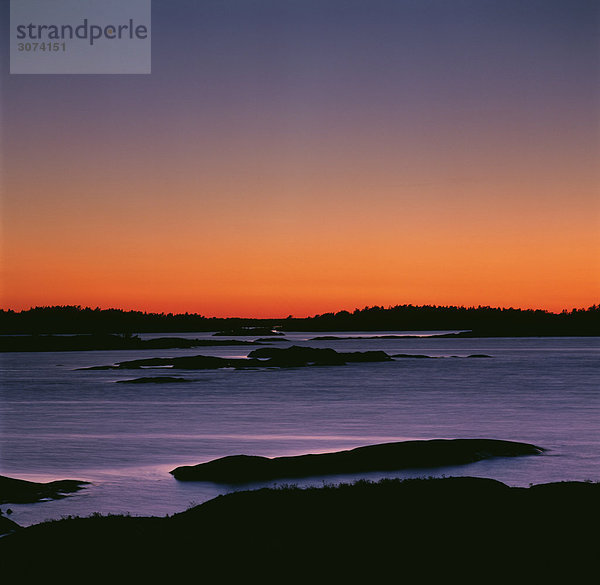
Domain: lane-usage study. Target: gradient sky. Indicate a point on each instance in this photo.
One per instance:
(297, 157)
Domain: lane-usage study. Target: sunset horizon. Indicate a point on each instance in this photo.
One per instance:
(313, 157)
(307, 315)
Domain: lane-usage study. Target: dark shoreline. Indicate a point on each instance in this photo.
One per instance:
(444, 526)
(94, 342)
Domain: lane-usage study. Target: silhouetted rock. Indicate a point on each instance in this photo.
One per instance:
(366, 356)
(298, 356)
(303, 356)
(153, 380)
(19, 491)
(7, 525)
(559, 488)
(446, 528)
(384, 457)
(197, 362)
(294, 356)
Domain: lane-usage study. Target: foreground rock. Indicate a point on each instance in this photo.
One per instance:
(465, 529)
(384, 457)
(19, 491)
(7, 526)
(270, 357)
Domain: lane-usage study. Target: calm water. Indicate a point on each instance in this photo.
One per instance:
(59, 423)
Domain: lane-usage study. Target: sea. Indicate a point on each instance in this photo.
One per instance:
(59, 421)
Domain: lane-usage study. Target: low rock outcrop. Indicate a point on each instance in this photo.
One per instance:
(272, 357)
(383, 457)
(19, 491)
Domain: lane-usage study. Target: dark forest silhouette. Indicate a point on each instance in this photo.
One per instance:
(480, 321)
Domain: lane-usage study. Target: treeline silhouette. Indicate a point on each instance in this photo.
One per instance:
(479, 320)
(76, 319)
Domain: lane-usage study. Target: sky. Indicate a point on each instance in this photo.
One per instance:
(301, 156)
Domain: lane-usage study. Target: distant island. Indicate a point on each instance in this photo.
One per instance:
(105, 341)
(290, 357)
(382, 457)
(462, 321)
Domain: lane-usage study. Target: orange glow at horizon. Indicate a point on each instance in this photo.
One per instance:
(445, 156)
(303, 255)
